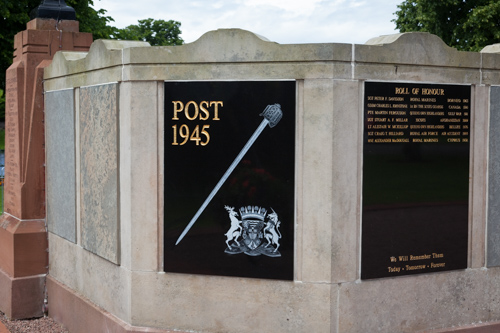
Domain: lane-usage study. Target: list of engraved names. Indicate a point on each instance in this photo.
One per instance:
(407, 113)
(415, 178)
(11, 143)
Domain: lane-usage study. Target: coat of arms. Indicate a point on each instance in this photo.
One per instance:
(255, 232)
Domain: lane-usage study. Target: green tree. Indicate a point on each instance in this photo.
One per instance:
(467, 25)
(2, 104)
(15, 15)
(91, 20)
(155, 32)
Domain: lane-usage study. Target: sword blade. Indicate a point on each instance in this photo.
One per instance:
(233, 165)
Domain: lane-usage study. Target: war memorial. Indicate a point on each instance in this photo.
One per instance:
(235, 184)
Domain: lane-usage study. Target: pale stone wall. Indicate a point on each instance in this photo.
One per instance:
(114, 257)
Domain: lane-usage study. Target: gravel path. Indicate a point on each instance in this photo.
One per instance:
(39, 325)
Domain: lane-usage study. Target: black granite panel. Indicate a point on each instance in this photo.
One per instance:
(415, 178)
(247, 229)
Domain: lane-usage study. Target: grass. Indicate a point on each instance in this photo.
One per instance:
(2, 147)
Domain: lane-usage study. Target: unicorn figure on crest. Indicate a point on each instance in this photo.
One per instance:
(271, 230)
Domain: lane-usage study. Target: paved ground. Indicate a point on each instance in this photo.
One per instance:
(40, 325)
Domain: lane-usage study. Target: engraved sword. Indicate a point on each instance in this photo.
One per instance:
(272, 115)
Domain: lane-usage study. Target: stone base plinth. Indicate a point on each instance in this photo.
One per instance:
(23, 266)
(64, 303)
(22, 297)
(23, 246)
(3, 329)
(480, 328)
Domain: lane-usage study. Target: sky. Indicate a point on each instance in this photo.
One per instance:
(281, 21)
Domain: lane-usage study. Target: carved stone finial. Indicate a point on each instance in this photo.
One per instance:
(54, 9)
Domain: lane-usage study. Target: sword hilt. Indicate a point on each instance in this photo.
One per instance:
(273, 114)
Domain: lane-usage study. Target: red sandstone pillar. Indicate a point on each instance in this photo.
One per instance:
(23, 235)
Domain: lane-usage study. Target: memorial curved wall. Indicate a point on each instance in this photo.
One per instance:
(364, 207)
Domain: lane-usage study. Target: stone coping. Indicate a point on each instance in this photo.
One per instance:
(415, 56)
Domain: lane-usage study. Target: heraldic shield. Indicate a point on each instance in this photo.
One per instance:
(256, 232)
